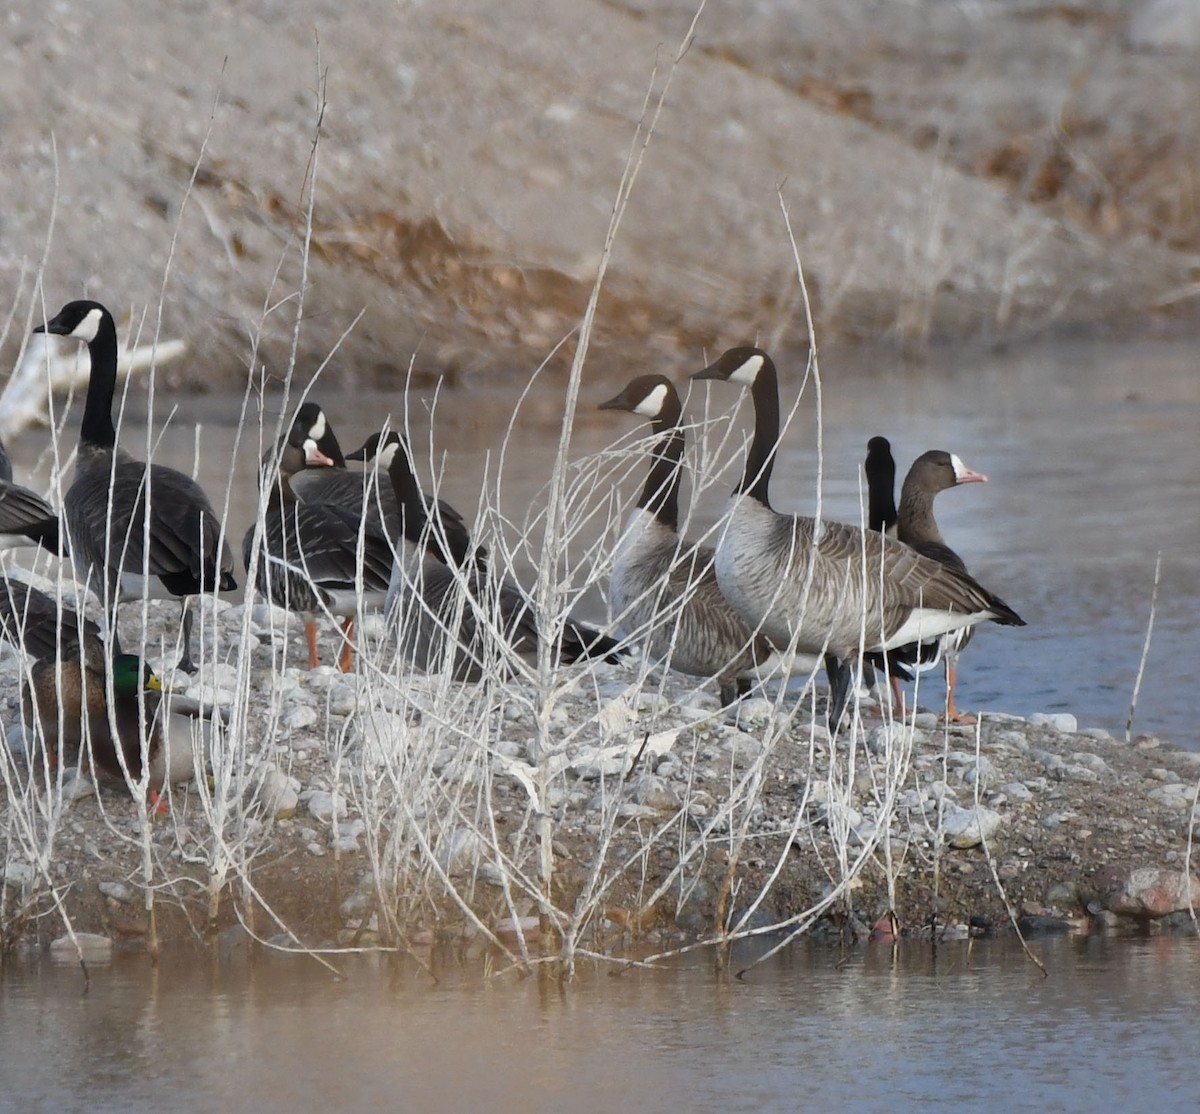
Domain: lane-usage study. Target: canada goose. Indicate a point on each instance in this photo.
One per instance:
(186, 554)
(828, 587)
(317, 556)
(664, 589)
(930, 473)
(67, 699)
(880, 470)
(447, 617)
(25, 517)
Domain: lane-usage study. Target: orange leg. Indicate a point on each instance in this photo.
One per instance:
(346, 663)
(159, 805)
(897, 697)
(310, 633)
(953, 715)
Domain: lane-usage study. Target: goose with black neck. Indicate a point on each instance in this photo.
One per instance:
(133, 528)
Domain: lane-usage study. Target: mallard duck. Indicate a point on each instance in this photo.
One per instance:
(447, 618)
(173, 550)
(66, 698)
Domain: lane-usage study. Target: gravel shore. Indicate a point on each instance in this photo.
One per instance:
(1068, 829)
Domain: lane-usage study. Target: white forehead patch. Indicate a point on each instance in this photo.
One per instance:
(651, 406)
(960, 469)
(87, 329)
(748, 372)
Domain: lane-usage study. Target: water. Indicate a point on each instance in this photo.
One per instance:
(1092, 455)
(1112, 1027)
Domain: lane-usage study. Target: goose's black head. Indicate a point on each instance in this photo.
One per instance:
(310, 424)
(938, 470)
(740, 365)
(379, 446)
(80, 320)
(650, 396)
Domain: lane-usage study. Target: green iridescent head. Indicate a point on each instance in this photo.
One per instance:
(131, 675)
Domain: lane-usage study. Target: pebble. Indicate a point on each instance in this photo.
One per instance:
(298, 717)
(322, 805)
(280, 794)
(19, 876)
(1063, 722)
(343, 699)
(1092, 761)
(460, 850)
(118, 891)
(1018, 791)
(968, 827)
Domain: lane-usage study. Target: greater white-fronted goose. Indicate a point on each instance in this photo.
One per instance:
(161, 537)
(317, 555)
(828, 587)
(359, 491)
(454, 618)
(26, 519)
(931, 473)
(664, 590)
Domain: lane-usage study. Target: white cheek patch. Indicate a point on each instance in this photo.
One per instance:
(87, 329)
(387, 454)
(651, 406)
(318, 427)
(748, 372)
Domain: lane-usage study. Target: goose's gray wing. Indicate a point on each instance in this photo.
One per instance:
(45, 628)
(23, 512)
(185, 549)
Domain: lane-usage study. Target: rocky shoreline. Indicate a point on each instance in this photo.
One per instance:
(1082, 831)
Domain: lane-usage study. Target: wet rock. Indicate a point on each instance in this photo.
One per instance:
(1146, 892)
(1044, 924)
(968, 827)
(91, 947)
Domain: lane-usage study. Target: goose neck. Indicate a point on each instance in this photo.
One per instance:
(97, 426)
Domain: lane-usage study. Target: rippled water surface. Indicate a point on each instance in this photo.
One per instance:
(1091, 449)
(979, 1028)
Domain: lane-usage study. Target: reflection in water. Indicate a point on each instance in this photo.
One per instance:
(1091, 451)
(978, 1029)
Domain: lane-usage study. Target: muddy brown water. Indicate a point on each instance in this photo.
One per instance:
(974, 1028)
(1091, 449)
